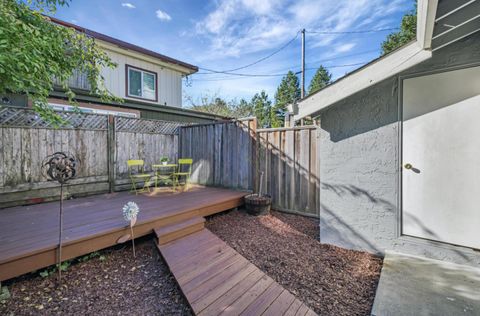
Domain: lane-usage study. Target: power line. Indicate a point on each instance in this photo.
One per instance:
(353, 32)
(343, 56)
(229, 71)
(255, 62)
(242, 75)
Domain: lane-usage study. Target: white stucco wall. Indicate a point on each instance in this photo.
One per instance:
(360, 165)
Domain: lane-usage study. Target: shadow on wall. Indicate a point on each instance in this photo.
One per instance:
(362, 112)
(348, 235)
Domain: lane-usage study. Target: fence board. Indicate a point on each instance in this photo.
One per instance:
(221, 153)
(25, 141)
(289, 159)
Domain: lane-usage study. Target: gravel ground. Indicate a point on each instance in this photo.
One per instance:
(329, 279)
(111, 283)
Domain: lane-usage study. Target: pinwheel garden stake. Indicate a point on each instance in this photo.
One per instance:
(60, 167)
(130, 212)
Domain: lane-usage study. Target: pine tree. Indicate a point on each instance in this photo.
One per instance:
(288, 92)
(407, 33)
(321, 79)
(262, 108)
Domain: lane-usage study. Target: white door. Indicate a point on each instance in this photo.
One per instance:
(441, 157)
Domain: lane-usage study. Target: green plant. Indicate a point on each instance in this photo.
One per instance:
(164, 159)
(34, 51)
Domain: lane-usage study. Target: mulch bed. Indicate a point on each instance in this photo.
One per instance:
(329, 279)
(112, 283)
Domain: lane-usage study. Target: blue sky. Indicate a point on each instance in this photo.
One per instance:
(228, 34)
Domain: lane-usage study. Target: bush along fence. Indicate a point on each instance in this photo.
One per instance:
(233, 154)
(101, 143)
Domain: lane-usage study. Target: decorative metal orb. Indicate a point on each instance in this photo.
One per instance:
(60, 167)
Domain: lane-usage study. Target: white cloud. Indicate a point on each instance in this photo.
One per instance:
(128, 5)
(237, 27)
(163, 15)
(343, 48)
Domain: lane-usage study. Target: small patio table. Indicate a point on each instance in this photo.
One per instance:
(164, 172)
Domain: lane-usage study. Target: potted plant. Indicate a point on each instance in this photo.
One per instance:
(258, 203)
(164, 160)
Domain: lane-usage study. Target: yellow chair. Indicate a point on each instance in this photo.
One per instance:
(137, 173)
(184, 169)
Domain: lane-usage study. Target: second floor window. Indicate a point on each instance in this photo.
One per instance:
(141, 83)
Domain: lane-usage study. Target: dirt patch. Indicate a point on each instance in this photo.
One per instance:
(111, 283)
(329, 279)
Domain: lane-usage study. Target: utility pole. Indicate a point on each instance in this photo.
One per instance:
(303, 64)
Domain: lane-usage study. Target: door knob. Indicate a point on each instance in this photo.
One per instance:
(408, 166)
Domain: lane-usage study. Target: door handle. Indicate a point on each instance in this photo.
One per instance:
(408, 166)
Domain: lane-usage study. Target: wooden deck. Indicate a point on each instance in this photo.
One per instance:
(217, 280)
(29, 234)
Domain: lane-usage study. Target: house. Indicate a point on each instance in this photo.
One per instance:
(150, 83)
(399, 143)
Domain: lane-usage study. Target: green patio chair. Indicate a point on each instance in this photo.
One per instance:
(184, 170)
(137, 173)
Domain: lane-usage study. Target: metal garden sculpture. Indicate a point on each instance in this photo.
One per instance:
(60, 167)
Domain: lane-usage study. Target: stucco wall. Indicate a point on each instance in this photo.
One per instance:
(360, 165)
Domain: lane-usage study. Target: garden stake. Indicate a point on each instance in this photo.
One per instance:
(60, 167)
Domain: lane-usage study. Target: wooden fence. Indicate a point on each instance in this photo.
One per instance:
(102, 144)
(229, 154)
(234, 154)
(222, 153)
(288, 158)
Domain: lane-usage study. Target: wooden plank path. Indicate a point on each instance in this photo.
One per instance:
(217, 280)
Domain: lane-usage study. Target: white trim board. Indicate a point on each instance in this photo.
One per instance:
(383, 68)
(398, 61)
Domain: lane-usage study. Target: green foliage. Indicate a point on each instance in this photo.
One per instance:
(216, 105)
(320, 80)
(407, 33)
(67, 263)
(288, 92)
(54, 268)
(262, 109)
(34, 50)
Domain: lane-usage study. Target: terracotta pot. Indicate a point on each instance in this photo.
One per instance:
(258, 204)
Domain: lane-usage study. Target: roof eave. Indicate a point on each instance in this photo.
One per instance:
(379, 69)
(190, 69)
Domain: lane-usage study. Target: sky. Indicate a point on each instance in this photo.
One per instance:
(225, 35)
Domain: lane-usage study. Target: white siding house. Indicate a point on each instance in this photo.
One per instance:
(146, 80)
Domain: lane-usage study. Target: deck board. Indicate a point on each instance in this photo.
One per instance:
(217, 280)
(29, 234)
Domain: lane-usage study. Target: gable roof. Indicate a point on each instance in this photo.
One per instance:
(125, 45)
(439, 23)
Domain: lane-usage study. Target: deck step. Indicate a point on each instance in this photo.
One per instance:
(178, 230)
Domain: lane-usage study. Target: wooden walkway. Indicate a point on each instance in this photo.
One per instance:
(29, 234)
(217, 280)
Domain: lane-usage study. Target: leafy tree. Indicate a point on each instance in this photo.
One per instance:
(33, 51)
(321, 79)
(288, 92)
(407, 33)
(262, 108)
(216, 105)
(243, 109)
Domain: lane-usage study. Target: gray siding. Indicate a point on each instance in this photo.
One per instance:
(360, 165)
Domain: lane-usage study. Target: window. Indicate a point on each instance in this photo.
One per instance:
(141, 83)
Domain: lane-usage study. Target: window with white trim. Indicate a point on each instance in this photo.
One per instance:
(141, 84)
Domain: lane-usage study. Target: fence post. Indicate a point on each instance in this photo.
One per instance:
(253, 127)
(111, 152)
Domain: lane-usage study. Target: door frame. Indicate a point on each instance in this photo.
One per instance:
(399, 216)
